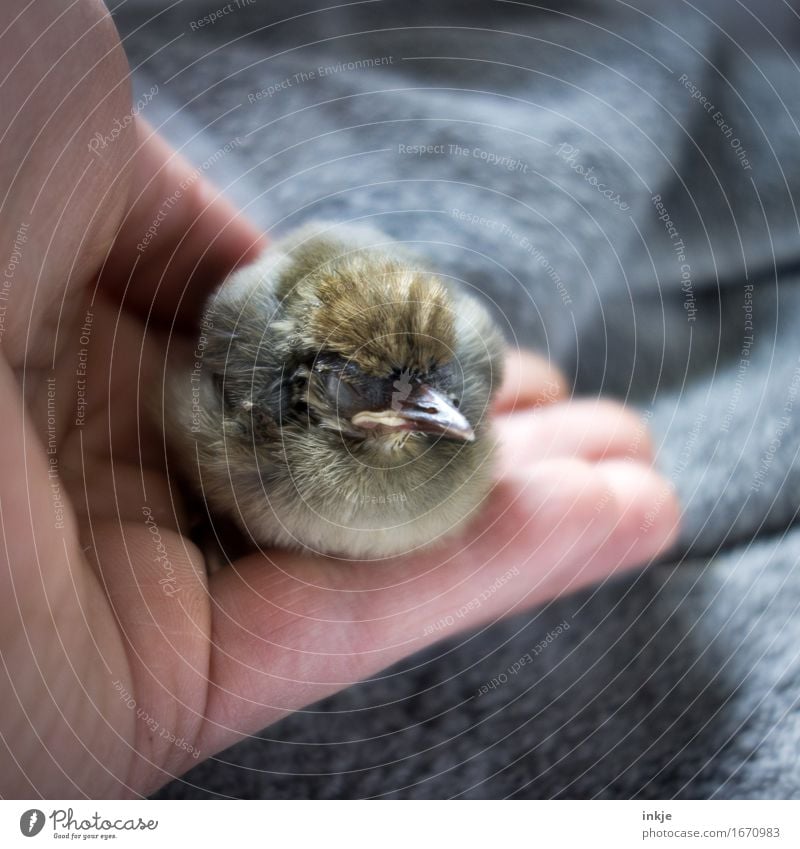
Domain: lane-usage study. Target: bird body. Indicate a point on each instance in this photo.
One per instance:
(341, 402)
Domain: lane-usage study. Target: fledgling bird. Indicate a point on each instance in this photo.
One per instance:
(338, 398)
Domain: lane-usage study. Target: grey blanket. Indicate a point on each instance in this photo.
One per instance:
(619, 183)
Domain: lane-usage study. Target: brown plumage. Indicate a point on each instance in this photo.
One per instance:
(343, 398)
(402, 318)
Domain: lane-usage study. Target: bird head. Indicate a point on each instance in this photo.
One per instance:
(383, 353)
(345, 399)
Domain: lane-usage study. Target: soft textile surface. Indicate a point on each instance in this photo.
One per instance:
(553, 131)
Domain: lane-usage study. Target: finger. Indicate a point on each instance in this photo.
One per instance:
(121, 492)
(36, 518)
(156, 585)
(184, 236)
(119, 382)
(590, 429)
(648, 517)
(292, 629)
(52, 679)
(68, 82)
(529, 381)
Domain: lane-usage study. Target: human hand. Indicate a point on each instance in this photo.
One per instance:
(124, 663)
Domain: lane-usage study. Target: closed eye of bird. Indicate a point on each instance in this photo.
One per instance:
(341, 403)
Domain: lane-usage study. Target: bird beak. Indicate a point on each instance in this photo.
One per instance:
(424, 411)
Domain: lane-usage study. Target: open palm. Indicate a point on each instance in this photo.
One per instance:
(123, 662)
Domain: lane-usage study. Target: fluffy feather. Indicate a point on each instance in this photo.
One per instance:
(331, 320)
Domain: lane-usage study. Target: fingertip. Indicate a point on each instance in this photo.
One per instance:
(529, 381)
(644, 509)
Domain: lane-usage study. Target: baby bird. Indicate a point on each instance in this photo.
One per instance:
(338, 398)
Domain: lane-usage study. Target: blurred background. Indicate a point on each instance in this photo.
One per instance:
(618, 182)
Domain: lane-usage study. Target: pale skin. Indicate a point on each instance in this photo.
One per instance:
(110, 683)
